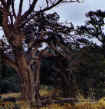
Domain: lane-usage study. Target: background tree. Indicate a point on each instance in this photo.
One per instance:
(94, 28)
(90, 75)
(80, 71)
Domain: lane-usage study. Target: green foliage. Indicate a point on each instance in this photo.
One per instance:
(94, 63)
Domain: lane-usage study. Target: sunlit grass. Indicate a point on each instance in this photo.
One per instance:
(11, 95)
(82, 104)
(44, 92)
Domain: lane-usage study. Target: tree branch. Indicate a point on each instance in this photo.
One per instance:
(52, 6)
(32, 6)
(13, 9)
(55, 4)
(8, 4)
(3, 2)
(20, 7)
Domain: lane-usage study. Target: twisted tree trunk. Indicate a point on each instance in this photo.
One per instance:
(29, 79)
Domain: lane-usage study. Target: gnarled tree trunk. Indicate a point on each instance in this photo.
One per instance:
(29, 79)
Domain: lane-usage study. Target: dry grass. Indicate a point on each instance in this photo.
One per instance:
(11, 95)
(84, 104)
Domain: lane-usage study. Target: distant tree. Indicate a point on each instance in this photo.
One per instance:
(90, 75)
(94, 28)
(81, 71)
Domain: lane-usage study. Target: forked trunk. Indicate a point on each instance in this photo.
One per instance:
(29, 78)
(30, 81)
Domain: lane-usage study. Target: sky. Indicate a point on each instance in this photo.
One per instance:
(72, 12)
(75, 12)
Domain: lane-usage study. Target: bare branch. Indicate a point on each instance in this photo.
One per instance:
(32, 6)
(20, 7)
(52, 6)
(3, 2)
(55, 4)
(8, 3)
(13, 9)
